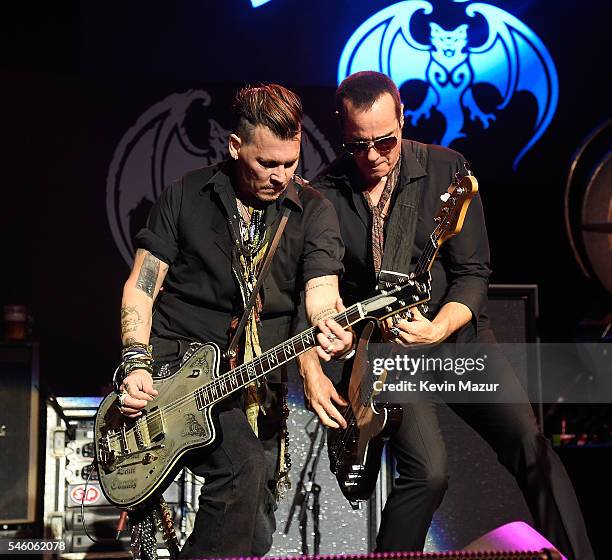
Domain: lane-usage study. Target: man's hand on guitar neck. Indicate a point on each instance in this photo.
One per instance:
(420, 330)
(139, 388)
(320, 391)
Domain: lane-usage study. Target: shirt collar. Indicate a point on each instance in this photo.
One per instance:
(221, 182)
(411, 168)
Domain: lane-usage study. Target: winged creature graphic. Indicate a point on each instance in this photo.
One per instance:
(511, 58)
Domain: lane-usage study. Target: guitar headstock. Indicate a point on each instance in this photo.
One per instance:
(455, 202)
(398, 297)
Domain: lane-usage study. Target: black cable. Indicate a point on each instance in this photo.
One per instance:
(83, 504)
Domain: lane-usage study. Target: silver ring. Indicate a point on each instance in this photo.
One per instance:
(395, 332)
(122, 396)
(330, 349)
(331, 336)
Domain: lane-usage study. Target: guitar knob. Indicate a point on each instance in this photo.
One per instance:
(402, 303)
(389, 309)
(415, 297)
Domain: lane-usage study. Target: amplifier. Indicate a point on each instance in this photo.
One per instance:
(74, 504)
(19, 429)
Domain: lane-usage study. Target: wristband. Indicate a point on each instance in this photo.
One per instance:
(136, 355)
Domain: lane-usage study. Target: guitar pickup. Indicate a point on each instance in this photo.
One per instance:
(141, 434)
(155, 425)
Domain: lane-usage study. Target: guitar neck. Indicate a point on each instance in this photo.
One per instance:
(245, 374)
(449, 219)
(428, 255)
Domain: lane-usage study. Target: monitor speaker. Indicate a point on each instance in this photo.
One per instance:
(19, 428)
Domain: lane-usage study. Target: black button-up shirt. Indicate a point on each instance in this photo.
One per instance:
(189, 229)
(461, 270)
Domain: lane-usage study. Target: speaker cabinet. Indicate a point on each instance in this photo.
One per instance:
(19, 407)
(513, 311)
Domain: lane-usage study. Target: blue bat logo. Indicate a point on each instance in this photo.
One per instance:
(511, 58)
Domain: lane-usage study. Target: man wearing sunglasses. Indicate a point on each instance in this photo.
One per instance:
(386, 192)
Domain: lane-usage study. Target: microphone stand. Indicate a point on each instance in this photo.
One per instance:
(298, 498)
(305, 488)
(316, 491)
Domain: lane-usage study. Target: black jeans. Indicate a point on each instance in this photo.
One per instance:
(513, 433)
(236, 505)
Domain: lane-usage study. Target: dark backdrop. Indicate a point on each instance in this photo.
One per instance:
(77, 77)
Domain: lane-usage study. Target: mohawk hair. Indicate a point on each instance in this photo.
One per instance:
(270, 105)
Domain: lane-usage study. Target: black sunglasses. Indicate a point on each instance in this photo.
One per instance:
(381, 145)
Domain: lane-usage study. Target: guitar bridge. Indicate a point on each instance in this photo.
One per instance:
(145, 435)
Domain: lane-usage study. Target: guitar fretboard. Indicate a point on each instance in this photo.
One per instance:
(245, 374)
(445, 226)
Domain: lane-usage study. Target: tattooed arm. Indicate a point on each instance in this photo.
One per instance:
(139, 293)
(322, 302)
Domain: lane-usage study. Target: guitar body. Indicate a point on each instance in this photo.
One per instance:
(137, 458)
(355, 452)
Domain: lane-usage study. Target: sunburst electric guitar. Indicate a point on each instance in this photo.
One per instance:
(355, 452)
(138, 458)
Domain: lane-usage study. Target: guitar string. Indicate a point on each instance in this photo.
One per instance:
(220, 383)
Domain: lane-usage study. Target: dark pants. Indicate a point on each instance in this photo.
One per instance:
(236, 505)
(513, 433)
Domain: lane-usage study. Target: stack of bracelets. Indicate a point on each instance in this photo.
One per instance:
(134, 356)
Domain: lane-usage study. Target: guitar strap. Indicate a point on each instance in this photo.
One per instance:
(401, 229)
